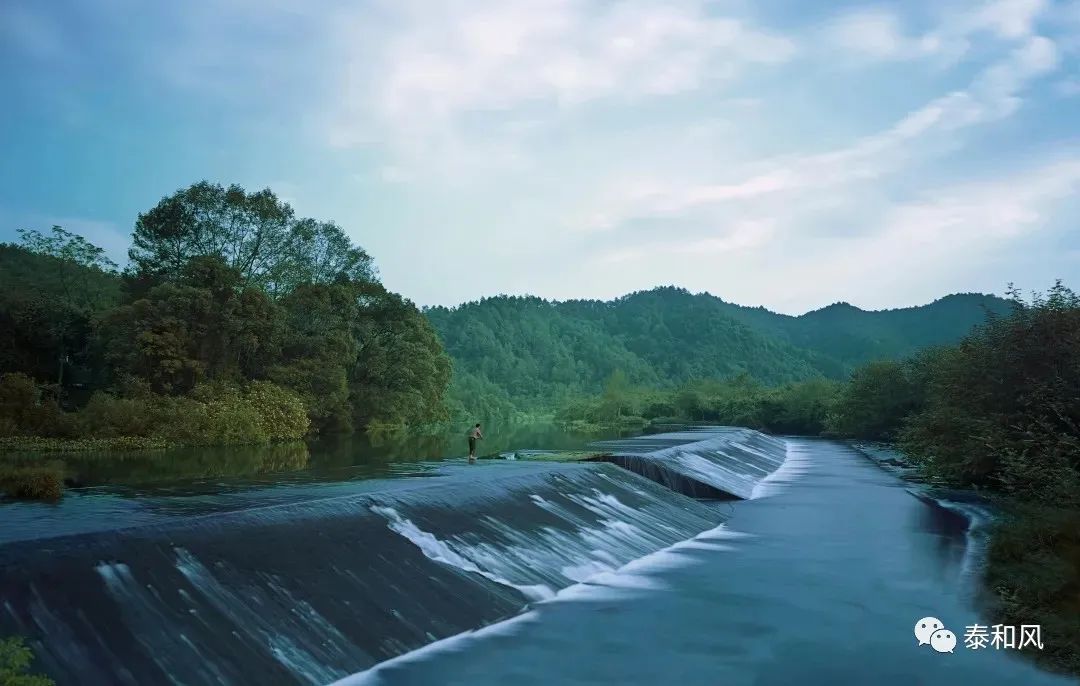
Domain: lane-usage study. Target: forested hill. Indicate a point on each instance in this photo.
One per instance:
(527, 353)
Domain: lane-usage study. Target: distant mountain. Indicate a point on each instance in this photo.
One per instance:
(852, 336)
(530, 352)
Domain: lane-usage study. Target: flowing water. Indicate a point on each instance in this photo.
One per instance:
(378, 561)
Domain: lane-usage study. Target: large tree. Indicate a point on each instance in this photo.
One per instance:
(257, 234)
(204, 326)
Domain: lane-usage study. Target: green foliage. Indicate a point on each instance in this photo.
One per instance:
(38, 444)
(797, 408)
(47, 307)
(876, 400)
(204, 326)
(1002, 407)
(545, 354)
(282, 414)
(317, 351)
(1034, 572)
(32, 481)
(228, 289)
(255, 234)
(15, 661)
(25, 410)
(401, 371)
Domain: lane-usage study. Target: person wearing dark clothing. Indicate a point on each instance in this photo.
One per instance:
(474, 436)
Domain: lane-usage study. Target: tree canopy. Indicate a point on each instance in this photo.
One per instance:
(257, 234)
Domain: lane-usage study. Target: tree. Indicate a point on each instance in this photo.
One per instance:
(256, 234)
(317, 350)
(62, 310)
(203, 327)
(876, 400)
(401, 370)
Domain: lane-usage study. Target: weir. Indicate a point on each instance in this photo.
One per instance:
(705, 462)
(309, 592)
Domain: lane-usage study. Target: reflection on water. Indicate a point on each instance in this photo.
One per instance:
(355, 456)
(148, 466)
(146, 487)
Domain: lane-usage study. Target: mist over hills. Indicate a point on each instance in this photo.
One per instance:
(529, 352)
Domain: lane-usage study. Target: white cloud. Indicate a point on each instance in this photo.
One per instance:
(742, 236)
(878, 34)
(993, 94)
(1008, 18)
(434, 70)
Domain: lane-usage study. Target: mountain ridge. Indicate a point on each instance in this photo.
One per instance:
(532, 352)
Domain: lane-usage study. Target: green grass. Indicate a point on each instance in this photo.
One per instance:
(39, 444)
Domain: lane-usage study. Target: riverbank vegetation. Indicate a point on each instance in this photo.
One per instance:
(15, 662)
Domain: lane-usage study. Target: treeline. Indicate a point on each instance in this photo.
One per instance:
(527, 355)
(236, 322)
(999, 411)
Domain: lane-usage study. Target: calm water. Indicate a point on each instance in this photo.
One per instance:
(145, 487)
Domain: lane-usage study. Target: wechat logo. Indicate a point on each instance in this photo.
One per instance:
(930, 631)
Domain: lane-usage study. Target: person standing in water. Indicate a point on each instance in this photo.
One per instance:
(474, 436)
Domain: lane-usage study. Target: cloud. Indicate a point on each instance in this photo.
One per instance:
(433, 80)
(950, 228)
(744, 235)
(994, 93)
(878, 34)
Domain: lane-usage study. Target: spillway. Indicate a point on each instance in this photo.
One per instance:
(707, 462)
(309, 592)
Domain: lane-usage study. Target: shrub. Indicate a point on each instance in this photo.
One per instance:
(232, 422)
(33, 482)
(282, 413)
(23, 410)
(15, 659)
(106, 416)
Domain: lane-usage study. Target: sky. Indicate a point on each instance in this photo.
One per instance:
(789, 153)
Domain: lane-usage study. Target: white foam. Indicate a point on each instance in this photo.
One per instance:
(796, 463)
(628, 579)
(977, 541)
(437, 550)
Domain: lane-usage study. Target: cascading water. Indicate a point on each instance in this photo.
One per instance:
(309, 592)
(709, 462)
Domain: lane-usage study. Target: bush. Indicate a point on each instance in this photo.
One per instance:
(24, 411)
(1034, 572)
(15, 659)
(233, 421)
(33, 482)
(282, 414)
(106, 416)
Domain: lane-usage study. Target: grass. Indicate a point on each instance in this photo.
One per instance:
(33, 481)
(39, 444)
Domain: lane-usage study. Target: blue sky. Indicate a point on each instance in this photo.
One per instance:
(789, 154)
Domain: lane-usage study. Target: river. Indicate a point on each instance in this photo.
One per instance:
(819, 582)
(177, 567)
